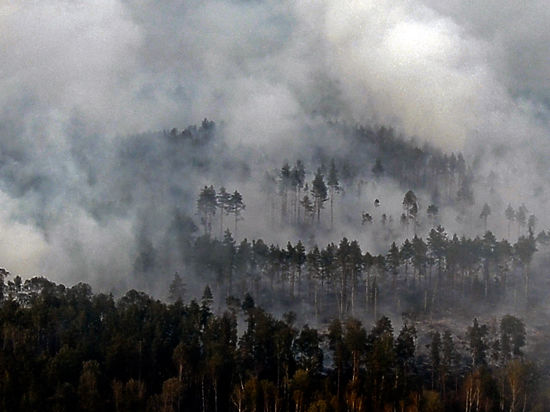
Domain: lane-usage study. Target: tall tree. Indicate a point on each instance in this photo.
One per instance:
(485, 212)
(207, 205)
(319, 192)
(177, 289)
(284, 184)
(224, 202)
(236, 206)
(510, 216)
(298, 178)
(477, 335)
(309, 209)
(393, 261)
(521, 217)
(334, 186)
(410, 205)
(512, 336)
(435, 356)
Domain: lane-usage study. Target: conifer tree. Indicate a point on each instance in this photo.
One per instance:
(485, 212)
(206, 205)
(510, 216)
(334, 186)
(319, 192)
(224, 203)
(236, 206)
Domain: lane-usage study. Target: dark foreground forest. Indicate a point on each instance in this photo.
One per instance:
(67, 349)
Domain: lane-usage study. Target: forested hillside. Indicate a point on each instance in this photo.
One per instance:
(66, 349)
(329, 282)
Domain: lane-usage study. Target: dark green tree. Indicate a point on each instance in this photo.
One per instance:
(334, 187)
(319, 193)
(207, 205)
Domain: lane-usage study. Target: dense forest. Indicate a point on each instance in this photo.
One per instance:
(391, 278)
(66, 349)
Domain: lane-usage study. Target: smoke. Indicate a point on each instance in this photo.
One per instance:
(82, 196)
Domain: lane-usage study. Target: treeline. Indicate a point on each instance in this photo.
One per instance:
(423, 275)
(67, 349)
(296, 195)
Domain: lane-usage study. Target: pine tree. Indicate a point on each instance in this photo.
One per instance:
(393, 261)
(435, 356)
(410, 205)
(319, 192)
(477, 335)
(177, 289)
(284, 184)
(485, 212)
(207, 205)
(236, 206)
(309, 209)
(224, 201)
(334, 187)
(510, 216)
(521, 217)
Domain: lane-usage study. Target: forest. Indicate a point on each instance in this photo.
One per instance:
(407, 316)
(66, 349)
(274, 206)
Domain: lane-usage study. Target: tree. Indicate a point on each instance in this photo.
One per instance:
(404, 353)
(419, 255)
(366, 218)
(437, 243)
(3, 275)
(309, 209)
(88, 387)
(334, 187)
(224, 203)
(449, 358)
(340, 354)
(407, 253)
(477, 343)
(236, 206)
(410, 205)
(531, 223)
(521, 217)
(319, 192)
(355, 339)
(524, 250)
(510, 216)
(177, 289)
(435, 356)
(298, 180)
(393, 261)
(206, 205)
(512, 336)
(309, 355)
(465, 194)
(206, 305)
(485, 212)
(284, 184)
(521, 377)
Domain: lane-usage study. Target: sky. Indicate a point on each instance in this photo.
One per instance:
(78, 77)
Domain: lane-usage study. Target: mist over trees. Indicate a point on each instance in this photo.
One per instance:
(70, 349)
(419, 305)
(359, 224)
